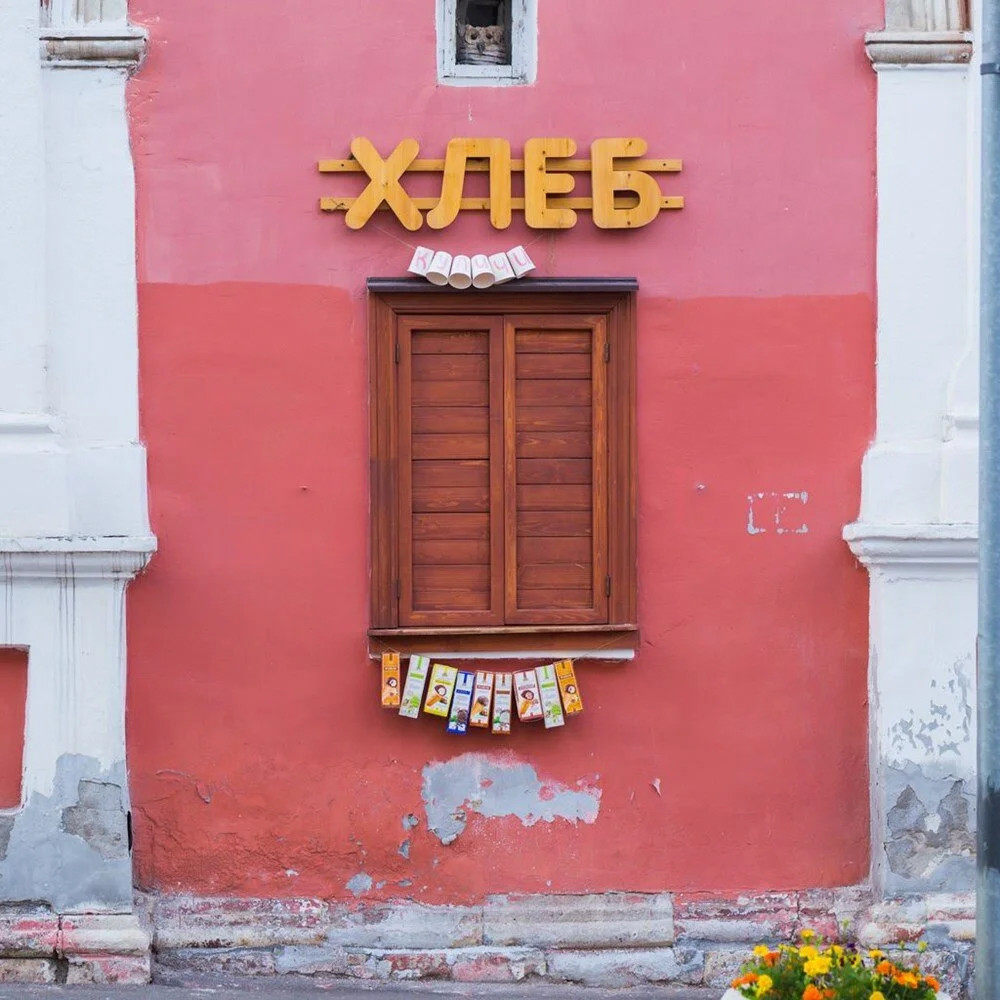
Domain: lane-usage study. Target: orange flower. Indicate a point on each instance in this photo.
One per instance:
(932, 983)
(829, 994)
(750, 977)
(771, 958)
(885, 968)
(811, 993)
(907, 979)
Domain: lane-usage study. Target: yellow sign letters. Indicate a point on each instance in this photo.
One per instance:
(624, 194)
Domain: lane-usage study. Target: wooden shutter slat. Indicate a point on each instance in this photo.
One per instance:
(556, 498)
(553, 392)
(450, 343)
(448, 446)
(554, 523)
(548, 366)
(451, 367)
(553, 341)
(555, 576)
(451, 419)
(457, 500)
(554, 471)
(449, 577)
(445, 527)
(557, 549)
(443, 393)
(452, 552)
(554, 444)
(554, 418)
(543, 600)
(459, 472)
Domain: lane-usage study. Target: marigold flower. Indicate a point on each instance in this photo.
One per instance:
(747, 980)
(817, 966)
(808, 934)
(876, 954)
(836, 950)
(885, 968)
(771, 958)
(877, 995)
(807, 952)
(907, 979)
(932, 982)
(764, 984)
(761, 950)
(811, 993)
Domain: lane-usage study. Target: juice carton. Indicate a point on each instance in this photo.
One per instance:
(552, 710)
(503, 704)
(529, 701)
(440, 690)
(413, 692)
(458, 721)
(568, 688)
(482, 699)
(390, 680)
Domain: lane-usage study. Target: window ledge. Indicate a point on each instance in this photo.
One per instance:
(918, 48)
(577, 642)
(117, 47)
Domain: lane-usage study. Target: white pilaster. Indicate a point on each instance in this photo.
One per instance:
(917, 529)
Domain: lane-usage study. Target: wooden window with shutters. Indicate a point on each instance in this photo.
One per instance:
(503, 466)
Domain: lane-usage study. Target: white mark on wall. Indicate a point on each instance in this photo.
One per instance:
(496, 787)
(777, 513)
(360, 884)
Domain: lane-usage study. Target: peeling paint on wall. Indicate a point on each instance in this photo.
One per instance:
(497, 787)
(930, 830)
(778, 513)
(941, 724)
(70, 849)
(360, 884)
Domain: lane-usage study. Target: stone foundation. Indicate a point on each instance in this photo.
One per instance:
(609, 940)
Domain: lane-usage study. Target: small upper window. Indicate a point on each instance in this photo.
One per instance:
(487, 42)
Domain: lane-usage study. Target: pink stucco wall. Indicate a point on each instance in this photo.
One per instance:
(261, 762)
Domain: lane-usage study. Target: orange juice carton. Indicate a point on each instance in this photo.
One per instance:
(413, 692)
(390, 680)
(568, 688)
(552, 710)
(458, 720)
(440, 690)
(482, 699)
(503, 703)
(529, 700)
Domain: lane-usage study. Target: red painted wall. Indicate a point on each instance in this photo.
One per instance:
(260, 759)
(13, 691)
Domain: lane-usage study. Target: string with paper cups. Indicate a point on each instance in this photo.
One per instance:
(481, 699)
(470, 271)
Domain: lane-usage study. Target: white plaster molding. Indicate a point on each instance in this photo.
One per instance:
(75, 558)
(916, 547)
(918, 48)
(78, 49)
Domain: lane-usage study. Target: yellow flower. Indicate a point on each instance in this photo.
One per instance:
(876, 954)
(922, 947)
(836, 951)
(817, 966)
(807, 951)
(761, 950)
(808, 935)
(877, 995)
(764, 984)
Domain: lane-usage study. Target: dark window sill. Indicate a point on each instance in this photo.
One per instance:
(576, 641)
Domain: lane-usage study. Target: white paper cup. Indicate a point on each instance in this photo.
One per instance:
(437, 273)
(501, 268)
(482, 273)
(461, 272)
(421, 262)
(520, 261)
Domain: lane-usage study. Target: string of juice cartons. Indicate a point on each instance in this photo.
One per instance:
(481, 699)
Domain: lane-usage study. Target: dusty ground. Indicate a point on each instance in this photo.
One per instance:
(216, 988)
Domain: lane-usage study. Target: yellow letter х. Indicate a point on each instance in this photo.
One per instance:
(384, 185)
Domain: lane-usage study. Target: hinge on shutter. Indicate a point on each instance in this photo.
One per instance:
(397, 352)
(607, 586)
(607, 352)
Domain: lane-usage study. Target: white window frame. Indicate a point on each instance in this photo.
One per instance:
(524, 49)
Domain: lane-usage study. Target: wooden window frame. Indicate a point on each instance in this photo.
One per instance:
(613, 300)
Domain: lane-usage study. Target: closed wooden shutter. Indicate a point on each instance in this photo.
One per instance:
(556, 470)
(450, 396)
